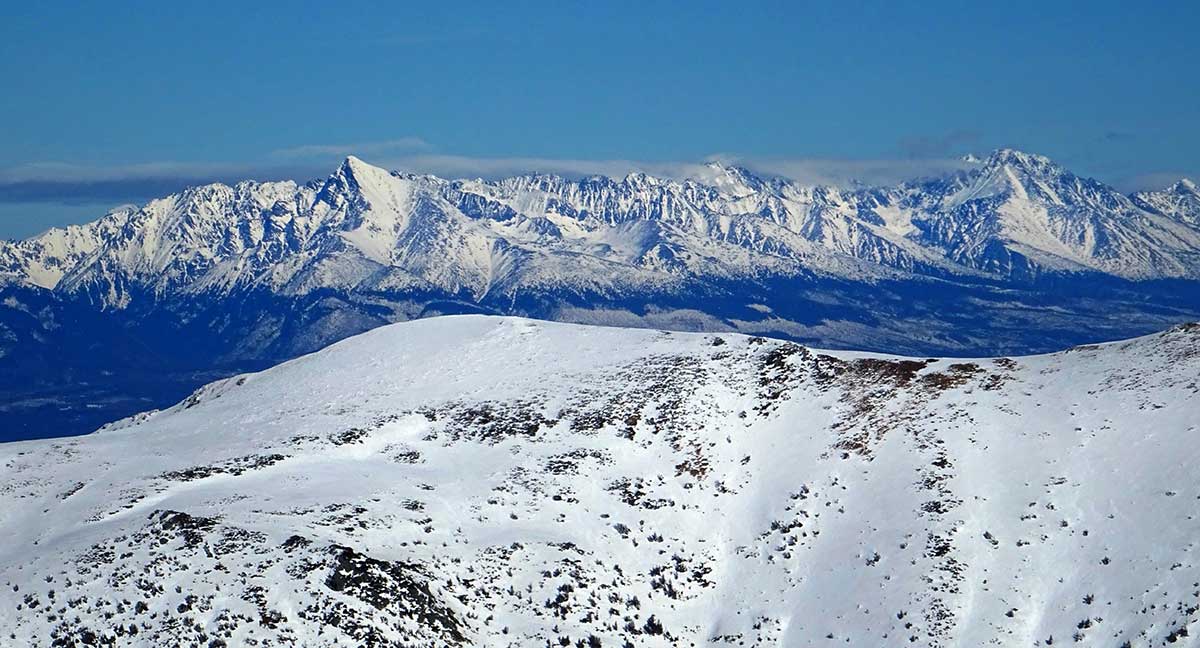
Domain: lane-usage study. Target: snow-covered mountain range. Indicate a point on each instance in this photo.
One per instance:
(1015, 254)
(507, 482)
(1016, 216)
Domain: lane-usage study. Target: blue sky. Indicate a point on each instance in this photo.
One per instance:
(113, 102)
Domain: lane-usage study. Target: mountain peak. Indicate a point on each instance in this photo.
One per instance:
(728, 177)
(1019, 159)
(1185, 185)
(718, 166)
(354, 166)
(354, 174)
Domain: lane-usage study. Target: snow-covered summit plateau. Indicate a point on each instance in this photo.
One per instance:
(506, 482)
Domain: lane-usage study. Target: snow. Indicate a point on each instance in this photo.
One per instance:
(726, 223)
(519, 481)
(1181, 202)
(897, 220)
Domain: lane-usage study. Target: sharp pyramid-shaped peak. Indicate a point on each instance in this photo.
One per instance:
(355, 169)
(355, 162)
(354, 176)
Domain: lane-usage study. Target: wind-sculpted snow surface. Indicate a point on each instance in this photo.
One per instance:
(504, 482)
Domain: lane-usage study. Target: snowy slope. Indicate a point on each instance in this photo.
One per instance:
(506, 482)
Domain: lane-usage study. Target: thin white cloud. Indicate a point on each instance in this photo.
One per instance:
(68, 172)
(309, 151)
(460, 166)
(65, 182)
(841, 173)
